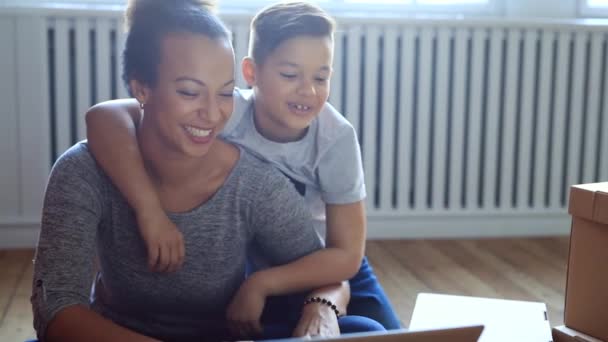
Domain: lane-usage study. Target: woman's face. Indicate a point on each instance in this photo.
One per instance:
(192, 99)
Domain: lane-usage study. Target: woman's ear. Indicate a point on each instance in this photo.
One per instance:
(248, 69)
(139, 91)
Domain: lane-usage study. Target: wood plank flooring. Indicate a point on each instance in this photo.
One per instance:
(531, 269)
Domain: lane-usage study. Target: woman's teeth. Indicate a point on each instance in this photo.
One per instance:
(198, 132)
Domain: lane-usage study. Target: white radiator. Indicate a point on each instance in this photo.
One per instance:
(467, 128)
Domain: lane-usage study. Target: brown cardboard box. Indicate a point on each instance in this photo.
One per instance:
(587, 284)
(565, 334)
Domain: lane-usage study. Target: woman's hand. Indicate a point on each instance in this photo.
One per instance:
(317, 320)
(245, 310)
(164, 242)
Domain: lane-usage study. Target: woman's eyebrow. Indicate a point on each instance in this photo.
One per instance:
(186, 78)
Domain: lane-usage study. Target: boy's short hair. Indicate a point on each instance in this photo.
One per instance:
(149, 21)
(279, 22)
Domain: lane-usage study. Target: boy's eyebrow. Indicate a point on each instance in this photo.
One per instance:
(323, 68)
(185, 78)
(289, 64)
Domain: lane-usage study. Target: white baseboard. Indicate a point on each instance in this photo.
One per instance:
(18, 234)
(24, 234)
(470, 226)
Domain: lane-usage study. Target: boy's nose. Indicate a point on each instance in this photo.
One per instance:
(307, 89)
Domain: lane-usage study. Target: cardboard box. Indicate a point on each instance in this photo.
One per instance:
(586, 308)
(504, 320)
(565, 334)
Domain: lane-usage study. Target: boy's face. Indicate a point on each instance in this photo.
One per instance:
(292, 84)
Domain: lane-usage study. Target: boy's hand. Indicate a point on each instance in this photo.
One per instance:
(164, 242)
(318, 320)
(245, 309)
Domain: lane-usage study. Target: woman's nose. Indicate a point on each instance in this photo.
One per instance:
(210, 111)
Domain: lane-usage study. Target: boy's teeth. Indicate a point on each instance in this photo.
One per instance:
(198, 132)
(302, 107)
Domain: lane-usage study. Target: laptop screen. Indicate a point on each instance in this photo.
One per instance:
(460, 334)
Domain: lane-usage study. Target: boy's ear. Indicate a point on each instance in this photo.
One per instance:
(139, 90)
(248, 66)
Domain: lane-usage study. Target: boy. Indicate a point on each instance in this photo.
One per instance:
(286, 120)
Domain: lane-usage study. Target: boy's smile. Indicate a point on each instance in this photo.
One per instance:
(299, 109)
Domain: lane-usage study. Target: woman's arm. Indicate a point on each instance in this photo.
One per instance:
(319, 319)
(91, 327)
(339, 294)
(111, 132)
(64, 263)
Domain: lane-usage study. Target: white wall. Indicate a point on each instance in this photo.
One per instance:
(24, 157)
(511, 8)
(23, 173)
(541, 8)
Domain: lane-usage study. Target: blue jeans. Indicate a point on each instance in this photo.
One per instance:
(367, 300)
(282, 314)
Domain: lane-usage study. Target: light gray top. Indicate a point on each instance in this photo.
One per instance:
(84, 213)
(327, 160)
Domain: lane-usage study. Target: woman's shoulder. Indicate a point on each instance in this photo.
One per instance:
(77, 155)
(254, 165)
(76, 175)
(78, 163)
(253, 169)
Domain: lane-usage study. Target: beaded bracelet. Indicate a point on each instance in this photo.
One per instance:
(325, 302)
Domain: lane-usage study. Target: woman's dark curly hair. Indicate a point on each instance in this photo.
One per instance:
(149, 21)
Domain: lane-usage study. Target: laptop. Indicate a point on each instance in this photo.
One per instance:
(460, 334)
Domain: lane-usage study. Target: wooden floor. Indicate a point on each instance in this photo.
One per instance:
(521, 269)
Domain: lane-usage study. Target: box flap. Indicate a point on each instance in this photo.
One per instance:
(565, 334)
(590, 201)
(586, 306)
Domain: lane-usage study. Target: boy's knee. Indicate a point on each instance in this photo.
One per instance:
(354, 324)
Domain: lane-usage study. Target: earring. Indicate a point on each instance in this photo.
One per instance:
(141, 105)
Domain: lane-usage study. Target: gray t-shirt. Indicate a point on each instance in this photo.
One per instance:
(85, 215)
(326, 161)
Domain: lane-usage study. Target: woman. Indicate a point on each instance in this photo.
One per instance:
(179, 64)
